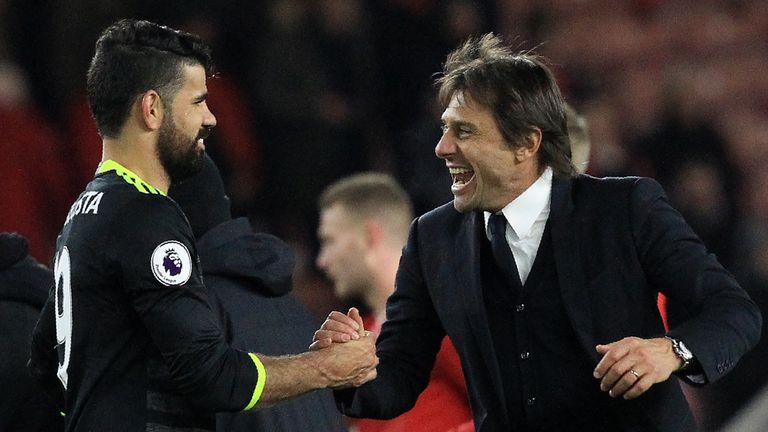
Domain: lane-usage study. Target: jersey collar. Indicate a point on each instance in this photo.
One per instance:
(129, 177)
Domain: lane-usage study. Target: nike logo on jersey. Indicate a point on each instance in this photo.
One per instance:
(88, 203)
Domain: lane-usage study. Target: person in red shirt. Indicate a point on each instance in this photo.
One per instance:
(364, 222)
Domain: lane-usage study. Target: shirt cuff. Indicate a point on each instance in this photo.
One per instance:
(698, 378)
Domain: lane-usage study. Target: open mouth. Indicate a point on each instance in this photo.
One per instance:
(203, 133)
(461, 176)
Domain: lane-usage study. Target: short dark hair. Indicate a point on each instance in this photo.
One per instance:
(520, 90)
(134, 56)
(372, 195)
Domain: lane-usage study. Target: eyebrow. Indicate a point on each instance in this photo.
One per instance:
(201, 97)
(457, 123)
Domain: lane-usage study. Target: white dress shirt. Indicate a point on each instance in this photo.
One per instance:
(526, 219)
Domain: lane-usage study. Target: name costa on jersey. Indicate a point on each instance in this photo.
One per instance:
(87, 203)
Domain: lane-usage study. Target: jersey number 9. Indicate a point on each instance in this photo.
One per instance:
(63, 303)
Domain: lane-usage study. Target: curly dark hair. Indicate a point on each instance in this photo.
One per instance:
(133, 56)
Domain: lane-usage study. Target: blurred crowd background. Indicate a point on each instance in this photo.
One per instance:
(312, 90)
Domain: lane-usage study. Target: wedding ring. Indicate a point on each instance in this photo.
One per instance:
(633, 372)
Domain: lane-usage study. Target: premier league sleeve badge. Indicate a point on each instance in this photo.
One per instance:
(171, 263)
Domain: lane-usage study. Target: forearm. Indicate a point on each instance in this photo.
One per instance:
(290, 376)
(339, 366)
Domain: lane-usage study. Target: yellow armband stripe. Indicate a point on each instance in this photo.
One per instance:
(261, 379)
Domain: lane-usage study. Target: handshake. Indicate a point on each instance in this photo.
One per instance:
(345, 352)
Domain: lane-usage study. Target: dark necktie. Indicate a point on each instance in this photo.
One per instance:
(502, 254)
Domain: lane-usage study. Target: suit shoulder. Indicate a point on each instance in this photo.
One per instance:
(615, 187)
(444, 213)
(444, 222)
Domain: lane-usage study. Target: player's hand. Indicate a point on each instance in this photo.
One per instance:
(339, 328)
(349, 364)
(630, 367)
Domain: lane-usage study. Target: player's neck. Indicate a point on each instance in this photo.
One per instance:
(139, 157)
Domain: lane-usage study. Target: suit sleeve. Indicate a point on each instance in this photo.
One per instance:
(161, 273)
(409, 341)
(724, 322)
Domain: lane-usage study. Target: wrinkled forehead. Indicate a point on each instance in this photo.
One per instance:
(461, 99)
(462, 104)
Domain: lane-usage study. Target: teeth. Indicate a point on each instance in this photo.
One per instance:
(455, 171)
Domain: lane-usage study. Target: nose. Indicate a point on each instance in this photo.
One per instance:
(445, 147)
(209, 120)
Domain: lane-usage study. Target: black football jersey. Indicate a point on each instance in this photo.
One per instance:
(137, 346)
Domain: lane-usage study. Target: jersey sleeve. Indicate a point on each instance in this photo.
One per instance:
(154, 250)
(43, 360)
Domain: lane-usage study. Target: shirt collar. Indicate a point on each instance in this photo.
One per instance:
(129, 176)
(523, 211)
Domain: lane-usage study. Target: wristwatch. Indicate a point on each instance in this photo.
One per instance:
(681, 351)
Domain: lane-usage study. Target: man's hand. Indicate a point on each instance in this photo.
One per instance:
(349, 364)
(632, 365)
(339, 328)
(339, 365)
(346, 351)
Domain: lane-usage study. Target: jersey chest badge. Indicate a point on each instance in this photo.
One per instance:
(171, 263)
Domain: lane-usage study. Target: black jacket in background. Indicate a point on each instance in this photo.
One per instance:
(248, 277)
(24, 285)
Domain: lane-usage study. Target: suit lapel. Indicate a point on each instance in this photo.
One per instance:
(566, 249)
(468, 256)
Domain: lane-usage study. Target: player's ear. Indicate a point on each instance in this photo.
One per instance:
(151, 109)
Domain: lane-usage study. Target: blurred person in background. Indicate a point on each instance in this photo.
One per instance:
(364, 222)
(24, 285)
(546, 280)
(578, 132)
(248, 277)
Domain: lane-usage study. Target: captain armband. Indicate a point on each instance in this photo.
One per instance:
(261, 379)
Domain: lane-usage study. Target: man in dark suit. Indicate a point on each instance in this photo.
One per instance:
(545, 280)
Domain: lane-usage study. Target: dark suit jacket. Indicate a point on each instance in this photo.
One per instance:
(617, 243)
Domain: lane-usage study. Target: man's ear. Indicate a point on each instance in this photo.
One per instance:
(151, 109)
(530, 145)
